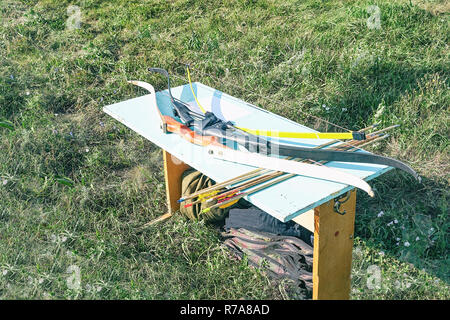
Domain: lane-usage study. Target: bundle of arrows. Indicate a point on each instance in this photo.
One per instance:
(276, 162)
(227, 193)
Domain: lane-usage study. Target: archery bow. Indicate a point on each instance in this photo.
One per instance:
(230, 197)
(169, 124)
(288, 166)
(209, 126)
(254, 174)
(356, 135)
(239, 184)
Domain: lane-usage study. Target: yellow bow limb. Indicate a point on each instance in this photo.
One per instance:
(302, 135)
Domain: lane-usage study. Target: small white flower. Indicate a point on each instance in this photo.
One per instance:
(417, 238)
(390, 223)
(99, 289)
(63, 239)
(27, 93)
(87, 150)
(41, 280)
(380, 214)
(324, 106)
(5, 182)
(395, 221)
(344, 109)
(5, 272)
(381, 253)
(397, 244)
(357, 251)
(398, 239)
(406, 244)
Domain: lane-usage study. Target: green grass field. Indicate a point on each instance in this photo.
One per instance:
(75, 184)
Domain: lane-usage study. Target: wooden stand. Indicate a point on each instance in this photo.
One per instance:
(333, 235)
(333, 243)
(173, 170)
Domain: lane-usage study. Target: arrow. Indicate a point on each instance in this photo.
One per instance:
(289, 166)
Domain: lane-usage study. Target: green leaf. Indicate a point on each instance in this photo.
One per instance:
(7, 124)
(64, 181)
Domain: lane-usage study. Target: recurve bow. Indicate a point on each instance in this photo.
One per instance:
(170, 124)
(210, 126)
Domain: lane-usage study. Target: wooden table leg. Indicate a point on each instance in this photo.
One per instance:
(173, 170)
(333, 243)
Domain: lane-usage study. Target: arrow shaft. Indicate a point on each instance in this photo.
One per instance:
(288, 166)
(277, 174)
(270, 175)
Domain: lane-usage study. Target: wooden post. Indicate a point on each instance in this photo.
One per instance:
(333, 243)
(173, 169)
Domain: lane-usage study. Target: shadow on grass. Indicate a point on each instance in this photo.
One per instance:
(365, 88)
(407, 220)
